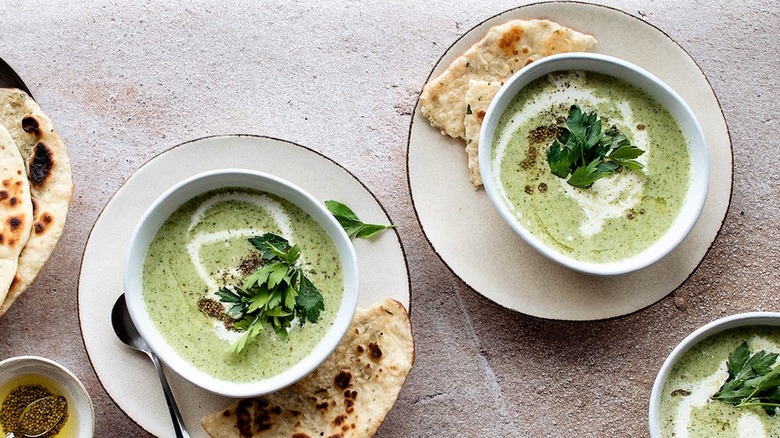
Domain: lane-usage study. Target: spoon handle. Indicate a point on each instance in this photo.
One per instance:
(178, 422)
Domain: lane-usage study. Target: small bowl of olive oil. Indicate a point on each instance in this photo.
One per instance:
(39, 397)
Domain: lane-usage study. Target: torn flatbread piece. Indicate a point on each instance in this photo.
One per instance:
(503, 51)
(51, 183)
(478, 98)
(16, 215)
(348, 396)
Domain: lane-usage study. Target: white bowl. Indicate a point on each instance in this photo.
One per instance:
(38, 370)
(182, 192)
(710, 329)
(697, 191)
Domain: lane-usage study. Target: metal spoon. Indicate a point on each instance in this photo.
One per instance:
(127, 333)
(53, 407)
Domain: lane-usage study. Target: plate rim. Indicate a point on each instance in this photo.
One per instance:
(586, 4)
(123, 186)
(9, 71)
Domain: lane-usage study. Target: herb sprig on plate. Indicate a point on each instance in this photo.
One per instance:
(274, 294)
(351, 223)
(753, 380)
(582, 153)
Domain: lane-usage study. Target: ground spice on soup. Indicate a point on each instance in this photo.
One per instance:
(213, 309)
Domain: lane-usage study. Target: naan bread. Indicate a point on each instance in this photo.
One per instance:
(478, 98)
(503, 51)
(51, 183)
(15, 209)
(348, 396)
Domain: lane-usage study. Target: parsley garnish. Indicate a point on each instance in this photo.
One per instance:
(350, 222)
(753, 380)
(274, 294)
(583, 153)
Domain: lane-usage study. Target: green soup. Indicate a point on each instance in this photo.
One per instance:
(619, 215)
(200, 248)
(686, 409)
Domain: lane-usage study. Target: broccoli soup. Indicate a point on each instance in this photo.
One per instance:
(601, 211)
(230, 279)
(723, 387)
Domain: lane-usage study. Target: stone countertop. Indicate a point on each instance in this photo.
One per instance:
(125, 81)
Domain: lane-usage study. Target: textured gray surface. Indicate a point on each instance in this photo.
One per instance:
(124, 81)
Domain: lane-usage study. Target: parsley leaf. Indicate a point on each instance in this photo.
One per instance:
(274, 294)
(350, 222)
(583, 153)
(309, 301)
(753, 380)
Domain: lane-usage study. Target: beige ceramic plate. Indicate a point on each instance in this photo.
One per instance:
(128, 376)
(469, 235)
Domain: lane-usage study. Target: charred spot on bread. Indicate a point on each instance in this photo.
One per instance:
(41, 164)
(13, 192)
(509, 40)
(42, 224)
(374, 352)
(247, 423)
(343, 379)
(30, 125)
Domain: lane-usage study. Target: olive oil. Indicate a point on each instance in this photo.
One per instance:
(32, 384)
